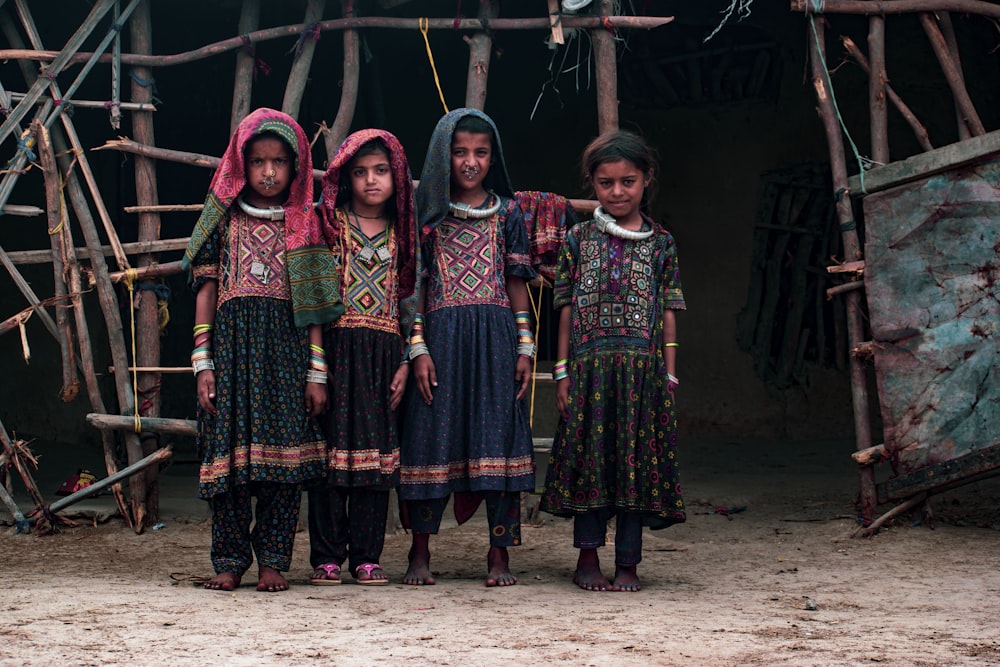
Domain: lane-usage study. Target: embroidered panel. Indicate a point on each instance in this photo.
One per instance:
(256, 259)
(469, 258)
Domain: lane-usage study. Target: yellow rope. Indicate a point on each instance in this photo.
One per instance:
(130, 277)
(424, 24)
(536, 307)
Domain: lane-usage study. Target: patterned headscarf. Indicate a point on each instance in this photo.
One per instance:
(311, 271)
(434, 190)
(405, 225)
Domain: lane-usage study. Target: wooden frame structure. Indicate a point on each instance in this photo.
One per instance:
(37, 121)
(975, 147)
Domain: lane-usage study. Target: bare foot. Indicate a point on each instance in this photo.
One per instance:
(270, 580)
(223, 581)
(419, 571)
(626, 579)
(499, 571)
(588, 574)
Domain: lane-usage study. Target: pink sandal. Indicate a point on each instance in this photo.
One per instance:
(368, 568)
(330, 576)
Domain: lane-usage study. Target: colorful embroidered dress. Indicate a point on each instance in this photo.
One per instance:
(262, 432)
(618, 449)
(474, 436)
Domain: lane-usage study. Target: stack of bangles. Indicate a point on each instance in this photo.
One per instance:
(201, 356)
(418, 346)
(670, 376)
(317, 365)
(561, 370)
(525, 337)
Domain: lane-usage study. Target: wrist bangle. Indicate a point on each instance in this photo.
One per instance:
(418, 349)
(561, 374)
(317, 377)
(526, 350)
(199, 365)
(673, 378)
(671, 345)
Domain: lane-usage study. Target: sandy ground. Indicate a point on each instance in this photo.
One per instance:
(781, 583)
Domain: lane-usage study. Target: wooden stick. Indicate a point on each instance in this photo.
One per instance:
(337, 132)
(606, 71)
(45, 256)
(156, 369)
(246, 65)
(149, 271)
(919, 131)
(857, 266)
(480, 48)
(21, 210)
(155, 424)
(844, 288)
(93, 104)
(852, 251)
(13, 456)
(953, 74)
(108, 300)
(50, 173)
(295, 85)
(163, 208)
(873, 527)
(948, 31)
(871, 455)
(21, 525)
(147, 317)
(555, 21)
(155, 458)
(391, 22)
(869, 8)
(876, 90)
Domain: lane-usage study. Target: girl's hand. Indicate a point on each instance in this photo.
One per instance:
(522, 374)
(316, 398)
(398, 385)
(205, 381)
(562, 398)
(423, 369)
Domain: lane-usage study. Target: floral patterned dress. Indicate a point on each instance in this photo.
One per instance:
(617, 451)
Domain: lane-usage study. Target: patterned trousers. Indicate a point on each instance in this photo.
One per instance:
(590, 529)
(347, 523)
(503, 512)
(234, 543)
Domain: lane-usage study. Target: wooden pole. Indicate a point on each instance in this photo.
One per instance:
(355, 22)
(154, 458)
(876, 90)
(44, 256)
(50, 172)
(21, 525)
(299, 74)
(187, 427)
(953, 74)
(151, 271)
(13, 457)
(336, 134)
(480, 48)
(112, 316)
(919, 131)
(92, 104)
(607, 72)
(115, 110)
(869, 8)
(246, 64)
(147, 352)
(948, 31)
(816, 35)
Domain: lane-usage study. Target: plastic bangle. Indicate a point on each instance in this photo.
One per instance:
(673, 378)
(317, 377)
(526, 350)
(671, 345)
(560, 374)
(200, 365)
(418, 349)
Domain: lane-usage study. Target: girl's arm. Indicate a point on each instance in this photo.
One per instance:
(670, 346)
(316, 397)
(205, 302)
(423, 365)
(562, 353)
(517, 293)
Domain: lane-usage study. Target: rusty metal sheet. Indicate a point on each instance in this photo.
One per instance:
(932, 276)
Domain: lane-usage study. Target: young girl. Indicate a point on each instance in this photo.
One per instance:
(616, 291)
(253, 257)
(368, 220)
(471, 347)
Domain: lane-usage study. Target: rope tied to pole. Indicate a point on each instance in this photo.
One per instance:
(146, 83)
(311, 31)
(424, 24)
(162, 292)
(258, 63)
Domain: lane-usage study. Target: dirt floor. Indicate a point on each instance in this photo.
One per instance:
(779, 583)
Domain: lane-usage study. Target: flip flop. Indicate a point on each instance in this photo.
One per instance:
(367, 568)
(329, 570)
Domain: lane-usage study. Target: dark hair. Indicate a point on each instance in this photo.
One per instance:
(616, 146)
(370, 147)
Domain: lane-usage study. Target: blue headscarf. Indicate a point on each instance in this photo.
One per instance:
(433, 193)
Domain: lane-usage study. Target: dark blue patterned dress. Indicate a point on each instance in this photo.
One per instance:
(617, 451)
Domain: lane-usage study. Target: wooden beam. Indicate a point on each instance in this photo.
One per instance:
(869, 8)
(931, 477)
(45, 256)
(606, 57)
(187, 427)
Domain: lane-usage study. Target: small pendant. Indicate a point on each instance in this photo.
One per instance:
(383, 255)
(366, 254)
(260, 271)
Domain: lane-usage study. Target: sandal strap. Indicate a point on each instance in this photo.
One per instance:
(367, 568)
(329, 568)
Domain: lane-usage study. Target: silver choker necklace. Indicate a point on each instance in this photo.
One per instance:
(610, 226)
(464, 211)
(275, 213)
